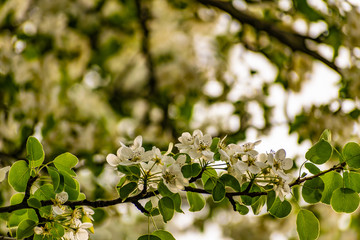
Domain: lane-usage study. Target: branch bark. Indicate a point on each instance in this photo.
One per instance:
(294, 40)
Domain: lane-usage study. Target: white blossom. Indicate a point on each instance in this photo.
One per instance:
(127, 155)
(250, 163)
(60, 199)
(279, 162)
(173, 177)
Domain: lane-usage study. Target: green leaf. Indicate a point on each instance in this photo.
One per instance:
(166, 207)
(68, 179)
(19, 175)
(65, 162)
(191, 170)
(351, 153)
(73, 193)
(320, 152)
(196, 200)
(163, 190)
(230, 181)
(312, 190)
(210, 184)
(345, 200)
(17, 198)
(35, 152)
(214, 144)
(312, 168)
(34, 202)
(149, 237)
(271, 197)
(332, 181)
(25, 229)
(133, 170)
(45, 192)
(352, 181)
(326, 135)
(21, 215)
(258, 204)
(307, 225)
(208, 173)
(218, 192)
(57, 230)
(177, 202)
(127, 189)
(250, 200)
(280, 208)
(163, 235)
(242, 209)
(55, 177)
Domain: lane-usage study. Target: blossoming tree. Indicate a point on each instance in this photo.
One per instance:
(153, 181)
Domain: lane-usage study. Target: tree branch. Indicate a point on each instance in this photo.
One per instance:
(299, 180)
(144, 195)
(294, 40)
(143, 16)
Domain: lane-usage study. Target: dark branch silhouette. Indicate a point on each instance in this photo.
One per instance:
(294, 40)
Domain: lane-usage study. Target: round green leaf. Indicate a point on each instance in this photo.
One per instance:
(25, 229)
(191, 170)
(34, 202)
(163, 235)
(218, 192)
(65, 162)
(258, 204)
(35, 152)
(127, 189)
(352, 181)
(55, 177)
(307, 225)
(312, 168)
(230, 181)
(312, 190)
(149, 237)
(345, 200)
(351, 153)
(280, 208)
(242, 209)
(19, 175)
(332, 181)
(320, 152)
(166, 207)
(196, 201)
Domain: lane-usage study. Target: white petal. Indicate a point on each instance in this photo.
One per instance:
(207, 140)
(262, 157)
(254, 169)
(112, 159)
(86, 225)
(241, 166)
(224, 156)
(280, 154)
(270, 159)
(138, 142)
(197, 133)
(126, 153)
(57, 210)
(287, 163)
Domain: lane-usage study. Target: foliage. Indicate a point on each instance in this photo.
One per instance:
(59, 210)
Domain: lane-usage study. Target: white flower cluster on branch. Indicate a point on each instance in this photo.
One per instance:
(241, 161)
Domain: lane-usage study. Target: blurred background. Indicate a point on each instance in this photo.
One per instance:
(81, 75)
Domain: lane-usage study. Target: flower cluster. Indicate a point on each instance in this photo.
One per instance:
(76, 223)
(241, 161)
